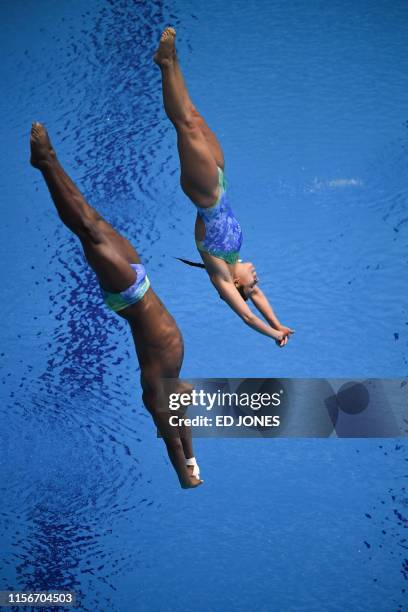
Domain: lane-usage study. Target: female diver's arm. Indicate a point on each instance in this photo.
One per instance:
(230, 294)
(261, 302)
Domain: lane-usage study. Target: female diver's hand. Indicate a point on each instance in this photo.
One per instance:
(286, 333)
(280, 341)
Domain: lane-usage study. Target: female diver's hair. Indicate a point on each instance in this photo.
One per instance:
(196, 264)
(240, 290)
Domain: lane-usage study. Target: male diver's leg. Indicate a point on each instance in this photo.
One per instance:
(108, 253)
(199, 174)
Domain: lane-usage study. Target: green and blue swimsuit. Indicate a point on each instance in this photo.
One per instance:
(223, 234)
(134, 293)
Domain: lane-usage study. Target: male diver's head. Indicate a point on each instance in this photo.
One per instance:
(245, 278)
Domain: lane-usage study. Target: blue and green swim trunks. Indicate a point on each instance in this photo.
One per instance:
(119, 301)
(223, 234)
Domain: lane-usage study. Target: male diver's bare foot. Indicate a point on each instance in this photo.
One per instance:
(165, 53)
(42, 152)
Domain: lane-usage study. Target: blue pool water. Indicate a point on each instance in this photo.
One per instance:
(310, 103)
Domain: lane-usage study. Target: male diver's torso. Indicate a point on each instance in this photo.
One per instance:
(158, 341)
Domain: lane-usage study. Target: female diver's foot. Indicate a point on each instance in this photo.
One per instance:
(165, 53)
(42, 152)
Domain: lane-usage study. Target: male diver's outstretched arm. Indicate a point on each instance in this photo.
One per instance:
(154, 398)
(230, 294)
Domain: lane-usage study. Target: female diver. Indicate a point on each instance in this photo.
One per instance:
(126, 290)
(217, 232)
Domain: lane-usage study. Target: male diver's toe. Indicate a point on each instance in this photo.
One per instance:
(165, 52)
(37, 129)
(42, 151)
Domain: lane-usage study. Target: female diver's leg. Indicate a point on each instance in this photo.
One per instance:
(199, 174)
(210, 137)
(208, 134)
(107, 252)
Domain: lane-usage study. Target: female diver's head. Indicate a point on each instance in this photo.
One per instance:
(245, 278)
